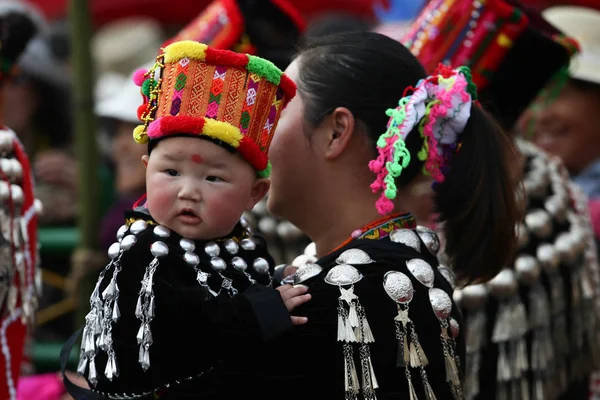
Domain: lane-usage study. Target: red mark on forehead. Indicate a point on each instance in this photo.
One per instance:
(197, 159)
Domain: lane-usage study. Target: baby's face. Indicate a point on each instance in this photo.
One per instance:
(199, 189)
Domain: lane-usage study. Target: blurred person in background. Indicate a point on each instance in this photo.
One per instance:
(38, 108)
(568, 125)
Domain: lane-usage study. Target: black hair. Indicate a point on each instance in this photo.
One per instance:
(367, 73)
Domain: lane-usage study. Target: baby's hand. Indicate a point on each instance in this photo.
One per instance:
(293, 297)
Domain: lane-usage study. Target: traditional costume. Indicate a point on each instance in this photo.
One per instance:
(382, 323)
(20, 277)
(167, 311)
(532, 331)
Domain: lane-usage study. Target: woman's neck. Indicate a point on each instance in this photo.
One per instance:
(336, 223)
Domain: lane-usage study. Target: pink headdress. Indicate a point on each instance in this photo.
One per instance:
(440, 106)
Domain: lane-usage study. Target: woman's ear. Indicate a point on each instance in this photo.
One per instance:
(259, 190)
(145, 159)
(341, 127)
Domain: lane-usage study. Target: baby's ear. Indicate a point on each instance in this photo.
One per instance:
(145, 159)
(259, 190)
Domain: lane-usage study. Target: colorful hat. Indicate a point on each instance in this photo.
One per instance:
(232, 25)
(231, 98)
(512, 52)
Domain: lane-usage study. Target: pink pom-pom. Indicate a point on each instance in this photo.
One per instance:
(139, 76)
(384, 206)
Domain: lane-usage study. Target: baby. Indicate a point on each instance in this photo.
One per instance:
(189, 285)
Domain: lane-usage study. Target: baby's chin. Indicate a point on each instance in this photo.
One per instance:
(199, 233)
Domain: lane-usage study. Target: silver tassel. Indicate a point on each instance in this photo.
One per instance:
(92, 375)
(82, 366)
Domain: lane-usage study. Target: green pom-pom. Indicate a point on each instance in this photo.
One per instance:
(264, 68)
(265, 173)
(147, 86)
(471, 87)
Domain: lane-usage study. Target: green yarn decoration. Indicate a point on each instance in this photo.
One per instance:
(401, 161)
(401, 155)
(424, 152)
(264, 68)
(265, 173)
(471, 87)
(148, 86)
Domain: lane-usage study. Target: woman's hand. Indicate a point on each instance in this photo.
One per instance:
(294, 296)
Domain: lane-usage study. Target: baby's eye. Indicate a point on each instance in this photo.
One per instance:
(212, 178)
(171, 172)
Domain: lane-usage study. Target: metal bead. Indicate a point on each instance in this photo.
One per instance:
(473, 297)
(504, 284)
(261, 265)
(17, 169)
(231, 246)
(248, 244)
(540, 223)
(239, 264)
(306, 272)
(311, 249)
(159, 249)
(343, 274)
(4, 191)
(121, 232)
(354, 257)
(566, 248)
(127, 242)
(430, 238)
(162, 231)
(212, 249)
(527, 269)
(440, 302)
(303, 259)
(407, 237)
(187, 244)
(556, 207)
(548, 257)
(448, 275)
(191, 259)
(268, 226)
(138, 226)
(422, 271)
(522, 235)
(17, 194)
(454, 328)
(244, 222)
(114, 250)
(398, 286)
(218, 264)
(38, 206)
(457, 296)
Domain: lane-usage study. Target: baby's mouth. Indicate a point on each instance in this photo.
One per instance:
(189, 216)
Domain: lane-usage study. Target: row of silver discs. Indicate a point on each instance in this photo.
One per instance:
(211, 248)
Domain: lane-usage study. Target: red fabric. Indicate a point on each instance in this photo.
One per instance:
(13, 331)
(226, 58)
(252, 153)
(289, 88)
(170, 125)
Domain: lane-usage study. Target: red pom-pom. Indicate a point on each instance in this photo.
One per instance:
(139, 76)
(141, 110)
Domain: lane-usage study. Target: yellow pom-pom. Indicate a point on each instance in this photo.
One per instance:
(139, 134)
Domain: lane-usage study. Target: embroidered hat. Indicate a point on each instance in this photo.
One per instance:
(230, 98)
(511, 51)
(583, 24)
(267, 28)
